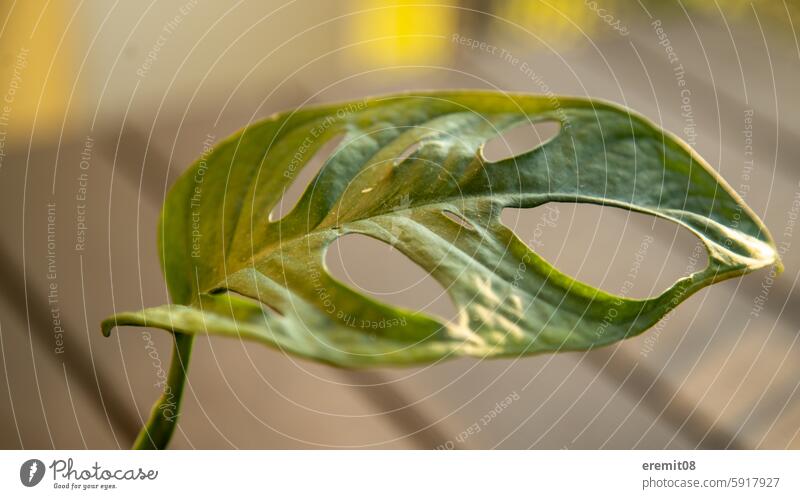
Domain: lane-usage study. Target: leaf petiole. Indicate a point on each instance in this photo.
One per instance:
(158, 430)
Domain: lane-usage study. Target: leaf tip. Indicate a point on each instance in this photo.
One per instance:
(108, 325)
(778, 263)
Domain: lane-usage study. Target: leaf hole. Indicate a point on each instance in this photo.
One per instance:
(304, 176)
(382, 272)
(519, 139)
(619, 251)
(455, 217)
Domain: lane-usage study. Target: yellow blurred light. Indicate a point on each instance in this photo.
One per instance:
(556, 22)
(36, 74)
(403, 32)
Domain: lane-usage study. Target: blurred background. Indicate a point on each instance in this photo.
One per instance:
(104, 103)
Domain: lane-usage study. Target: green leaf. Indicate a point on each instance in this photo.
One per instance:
(222, 256)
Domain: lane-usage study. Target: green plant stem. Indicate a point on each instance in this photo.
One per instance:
(158, 430)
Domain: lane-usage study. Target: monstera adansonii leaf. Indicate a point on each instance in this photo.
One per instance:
(232, 272)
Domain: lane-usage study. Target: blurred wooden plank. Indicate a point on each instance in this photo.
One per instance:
(546, 402)
(43, 404)
(52, 288)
